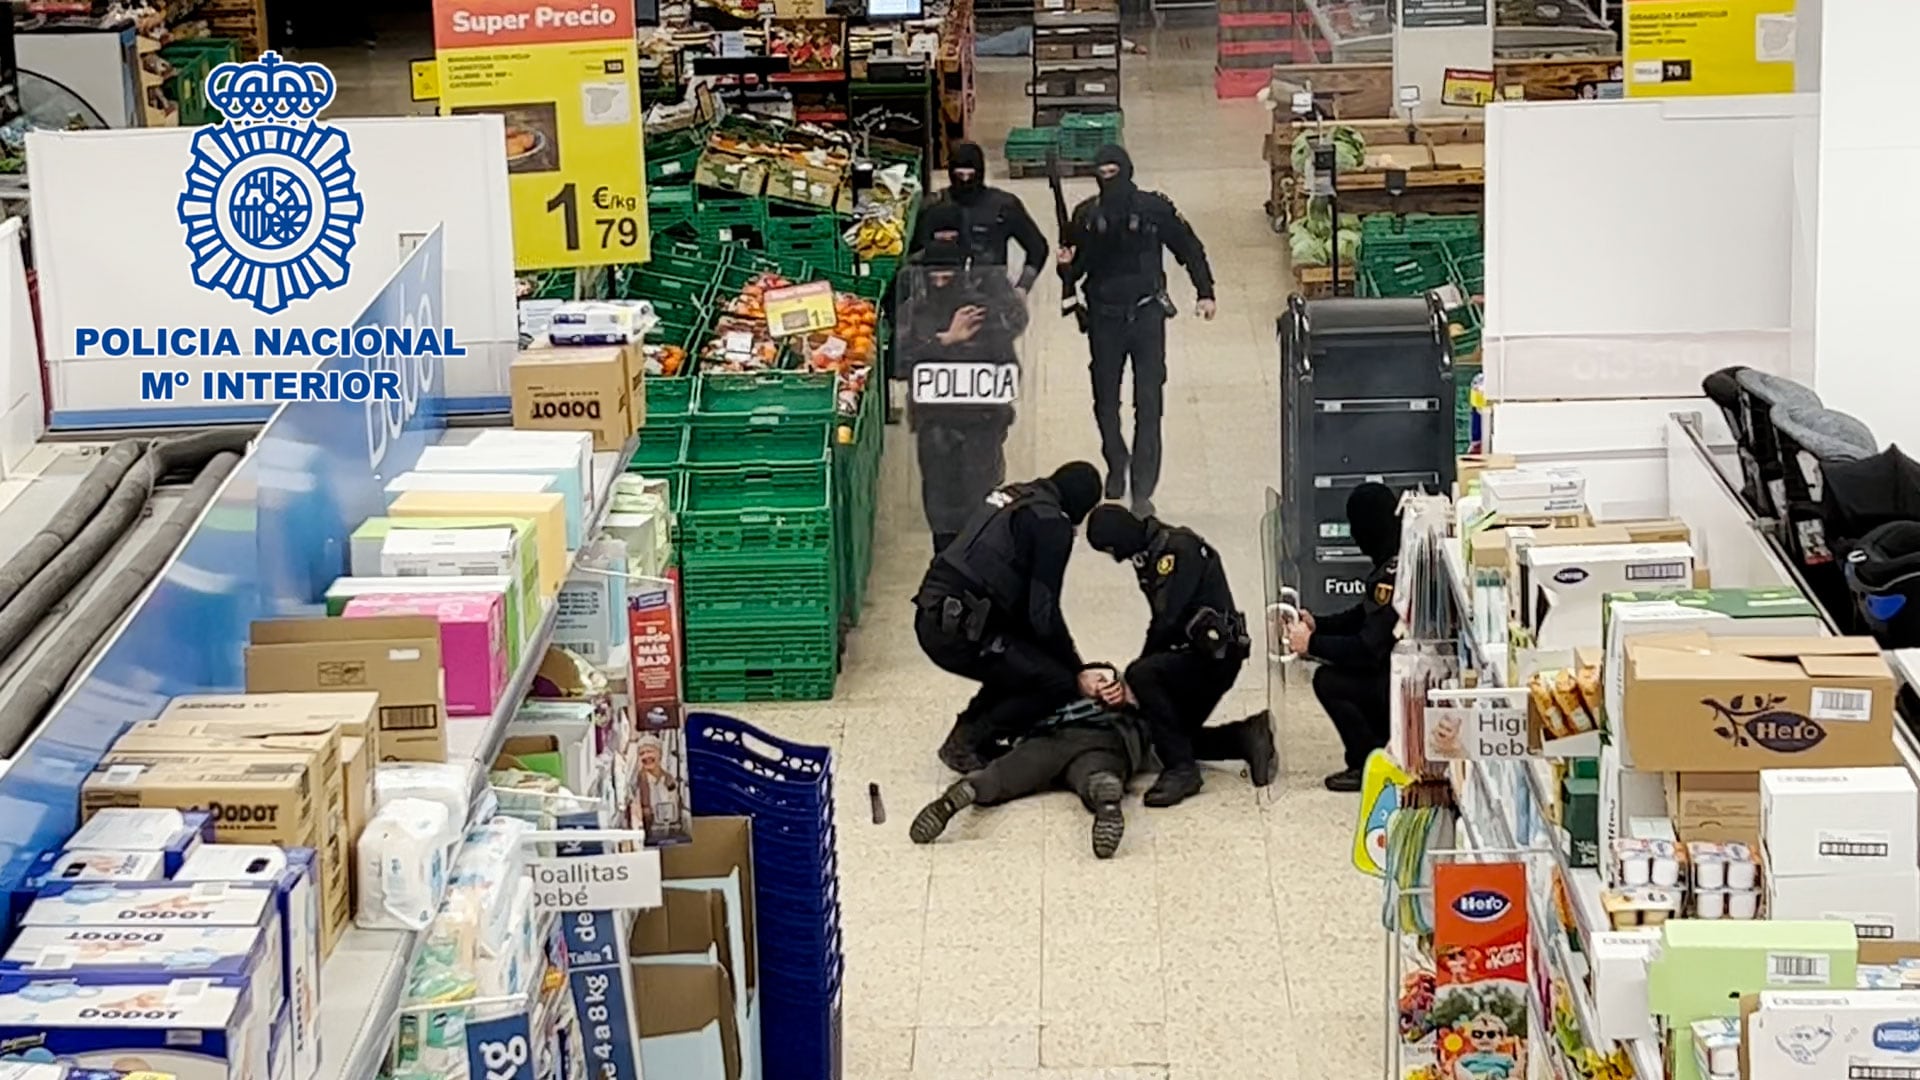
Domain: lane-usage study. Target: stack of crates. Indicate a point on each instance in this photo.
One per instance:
(1081, 135)
(1406, 255)
(856, 462)
(1029, 148)
(799, 237)
(758, 551)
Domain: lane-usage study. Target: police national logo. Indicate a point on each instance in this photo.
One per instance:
(270, 207)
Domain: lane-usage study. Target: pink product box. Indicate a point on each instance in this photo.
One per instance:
(473, 642)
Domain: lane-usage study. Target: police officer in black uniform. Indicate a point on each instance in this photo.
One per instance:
(1355, 646)
(1114, 242)
(1196, 643)
(984, 217)
(958, 313)
(988, 609)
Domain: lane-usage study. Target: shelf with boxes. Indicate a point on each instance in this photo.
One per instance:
(1076, 60)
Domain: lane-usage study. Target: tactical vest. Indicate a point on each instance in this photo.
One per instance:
(986, 553)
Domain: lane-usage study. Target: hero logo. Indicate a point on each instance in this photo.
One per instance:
(1572, 575)
(1482, 905)
(1901, 1036)
(1745, 721)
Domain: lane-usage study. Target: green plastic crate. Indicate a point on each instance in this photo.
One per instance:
(1402, 268)
(723, 684)
(1030, 146)
(660, 448)
(827, 254)
(722, 591)
(755, 510)
(778, 442)
(731, 220)
(846, 281)
(765, 397)
(783, 646)
(672, 168)
(687, 243)
(783, 229)
(649, 284)
(684, 267)
(1082, 135)
(1440, 227)
(1469, 271)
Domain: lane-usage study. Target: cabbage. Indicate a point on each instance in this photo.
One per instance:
(1349, 149)
(1310, 238)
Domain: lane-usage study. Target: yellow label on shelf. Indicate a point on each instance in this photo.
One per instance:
(424, 76)
(1468, 87)
(800, 309)
(1694, 48)
(562, 75)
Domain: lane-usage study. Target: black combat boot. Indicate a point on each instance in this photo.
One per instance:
(1104, 792)
(932, 819)
(958, 754)
(1174, 786)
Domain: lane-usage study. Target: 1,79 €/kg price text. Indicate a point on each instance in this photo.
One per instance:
(613, 222)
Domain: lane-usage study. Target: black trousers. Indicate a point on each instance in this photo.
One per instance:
(1177, 692)
(1019, 682)
(1117, 337)
(1358, 705)
(960, 465)
(1067, 756)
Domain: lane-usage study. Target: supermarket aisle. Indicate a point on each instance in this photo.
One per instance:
(1229, 940)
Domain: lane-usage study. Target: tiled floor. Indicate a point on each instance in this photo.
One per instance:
(1230, 939)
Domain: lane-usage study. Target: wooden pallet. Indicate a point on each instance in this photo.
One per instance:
(1022, 170)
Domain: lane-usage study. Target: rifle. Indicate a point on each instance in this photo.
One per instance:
(1070, 304)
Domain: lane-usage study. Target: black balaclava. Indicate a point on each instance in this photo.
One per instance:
(1373, 519)
(941, 217)
(1078, 485)
(1114, 192)
(966, 155)
(1115, 530)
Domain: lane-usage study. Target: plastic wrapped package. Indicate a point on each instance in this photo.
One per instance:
(403, 865)
(477, 915)
(432, 1044)
(444, 783)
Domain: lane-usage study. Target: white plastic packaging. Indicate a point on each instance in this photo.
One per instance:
(403, 865)
(444, 783)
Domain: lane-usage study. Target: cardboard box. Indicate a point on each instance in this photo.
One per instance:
(1618, 962)
(519, 483)
(473, 647)
(1562, 588)
(1746, 612)
(797, 181)
(1702, 964)
(352, 724)
(687, 1016)
(1096, 85)
(578, 388)
(1714, 807)
(254, 799)
(521, 599)
(1840, 821)
(489, 552)
(1882, 905)
(1861, 1033)
(322, 749)
(1044, 51)
(548, 512)
(578, 444)
(398, 658)
(719, 858)
(1823, 703)
(540, 459)
(731, 172)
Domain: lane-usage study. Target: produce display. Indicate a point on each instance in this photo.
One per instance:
(1349, 148)
(1311, 241)
(663, 360)
(742, 343)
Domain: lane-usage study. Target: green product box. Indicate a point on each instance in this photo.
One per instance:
(1704, 966)
(1580, 816)
(523, 600)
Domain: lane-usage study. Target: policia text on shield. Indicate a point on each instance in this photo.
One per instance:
(959, 323)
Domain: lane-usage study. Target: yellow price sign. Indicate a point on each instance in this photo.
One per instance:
(423, 78)
(1693, 48)
(1467, 87)
(800, 309)
(562, 75)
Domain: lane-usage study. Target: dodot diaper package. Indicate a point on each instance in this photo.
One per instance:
(291, 874)
(173, 833)
(106, 954)
(195, 1029)
(101, 865)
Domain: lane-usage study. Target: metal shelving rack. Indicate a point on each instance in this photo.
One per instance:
(1086, 81)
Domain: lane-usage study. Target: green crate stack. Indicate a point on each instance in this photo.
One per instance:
(1444, 228)
(858, 441)
(758, 552)
(671, 158)
(1029, 147)
(1399, 267)
(668, 210)
(1463, 376)
(1083, 134)
(809, 239)
(680, 286)
(731, 219)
